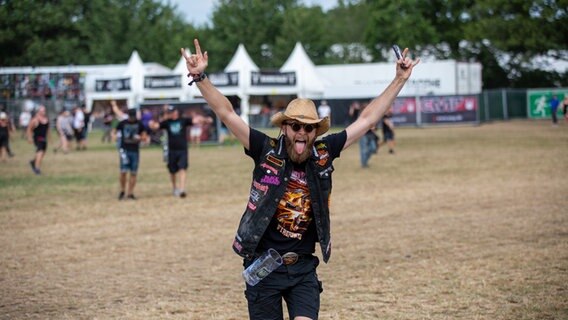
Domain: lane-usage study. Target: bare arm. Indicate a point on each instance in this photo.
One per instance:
(196, 64)
(116, 110)
(378, 106)
(29, 130)
(389, 123)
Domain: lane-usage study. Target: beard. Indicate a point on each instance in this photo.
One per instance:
(298, 157)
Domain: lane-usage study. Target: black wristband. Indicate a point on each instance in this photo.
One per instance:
(197, 78)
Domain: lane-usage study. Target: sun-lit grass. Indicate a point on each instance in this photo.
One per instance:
(462, 223)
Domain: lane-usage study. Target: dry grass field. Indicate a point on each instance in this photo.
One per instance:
(462, 223)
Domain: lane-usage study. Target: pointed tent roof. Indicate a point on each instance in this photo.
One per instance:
(309, 83)
(241, 61)
(135, 64)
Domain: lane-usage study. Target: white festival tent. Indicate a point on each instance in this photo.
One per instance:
(242, 63)
(308, 83)
(137, 82)
(132, 89)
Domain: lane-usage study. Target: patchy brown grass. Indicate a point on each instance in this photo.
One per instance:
(462, 223)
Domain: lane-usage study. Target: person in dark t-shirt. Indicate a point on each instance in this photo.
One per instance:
(38, 134)
(132, 132)
(178, 154)
(388, 131)
(288, 207)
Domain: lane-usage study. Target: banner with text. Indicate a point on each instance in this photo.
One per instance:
(110, 85)
(448, 109)
(404, 111)
(224, 79)
(162, 82)
(273, 78)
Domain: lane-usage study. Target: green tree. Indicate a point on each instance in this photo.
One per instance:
(518, 31)
(345, 29)
(303, 25)
(89, 32)
(254, 23)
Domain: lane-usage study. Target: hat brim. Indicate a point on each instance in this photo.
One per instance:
(323, 124)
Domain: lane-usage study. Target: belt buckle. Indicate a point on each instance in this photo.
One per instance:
(290, 258)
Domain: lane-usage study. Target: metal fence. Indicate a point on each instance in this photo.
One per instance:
(502, 104)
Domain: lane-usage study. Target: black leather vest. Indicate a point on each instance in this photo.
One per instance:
(270, 177)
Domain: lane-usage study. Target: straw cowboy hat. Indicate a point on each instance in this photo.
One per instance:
(304, 111)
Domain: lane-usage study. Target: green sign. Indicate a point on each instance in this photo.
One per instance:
(539, 102)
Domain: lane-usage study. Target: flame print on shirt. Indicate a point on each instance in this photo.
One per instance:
(294, 212)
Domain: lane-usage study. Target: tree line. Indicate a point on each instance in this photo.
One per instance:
(512, 39)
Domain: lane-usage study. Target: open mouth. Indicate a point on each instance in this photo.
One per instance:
(299, 146)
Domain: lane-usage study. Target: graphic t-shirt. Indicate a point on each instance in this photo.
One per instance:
(177, 132)
(130, 134)
(292, 227)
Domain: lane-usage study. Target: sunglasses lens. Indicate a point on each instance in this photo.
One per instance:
(307, 127)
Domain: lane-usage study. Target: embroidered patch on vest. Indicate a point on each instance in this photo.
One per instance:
(273, 180)
(323, 156)
(269, 168)
(260, 187)
(275, 161)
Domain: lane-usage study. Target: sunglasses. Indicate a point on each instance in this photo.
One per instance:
(308, 127)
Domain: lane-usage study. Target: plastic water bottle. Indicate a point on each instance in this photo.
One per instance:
(262, 267)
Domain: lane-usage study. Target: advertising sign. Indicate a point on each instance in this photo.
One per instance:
(112, 85)
(224, 79)
(162, 82)
(273, 78)
(404, 111)
(448, 109)
(539, 102)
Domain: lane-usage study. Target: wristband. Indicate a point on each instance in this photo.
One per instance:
(197, 77)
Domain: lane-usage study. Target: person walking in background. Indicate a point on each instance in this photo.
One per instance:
(178, 154)
(6, 130)
(132, 133)
(354, 110)
(108, 116)
(388, 131)
(78, 125)
(38, 134)
(119, 115)
(11, 129)
(288, 207)
(324, 110)
(554, 103)
(24, 121)
(195, 131)
(63, 125)
(86, 127)
(368, 144)
(565, 107)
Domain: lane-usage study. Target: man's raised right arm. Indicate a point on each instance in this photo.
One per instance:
(196, 65)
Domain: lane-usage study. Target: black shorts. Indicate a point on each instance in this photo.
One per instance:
(4, 139)
(388, 136)
(78, 134)
(297, 284)
(40, 145)
(177, 160)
